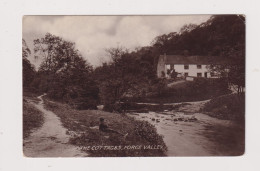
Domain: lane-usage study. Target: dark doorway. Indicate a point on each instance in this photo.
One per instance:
(206, 75)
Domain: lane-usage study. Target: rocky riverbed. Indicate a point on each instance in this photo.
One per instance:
(187, 132)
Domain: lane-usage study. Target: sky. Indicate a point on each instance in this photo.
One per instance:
(93, 34)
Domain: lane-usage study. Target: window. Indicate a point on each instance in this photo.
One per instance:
(206, 75)
(199, 74)
(186, 66)
(198, 66)
(172, 66)
(186, 74)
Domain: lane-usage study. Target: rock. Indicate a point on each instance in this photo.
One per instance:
(175, 119)
(153, 119)
(157, 120)
(180, 130)
(180, 119)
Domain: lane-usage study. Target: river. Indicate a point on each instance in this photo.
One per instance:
(187, 132)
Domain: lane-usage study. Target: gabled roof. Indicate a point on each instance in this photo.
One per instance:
(181, 59)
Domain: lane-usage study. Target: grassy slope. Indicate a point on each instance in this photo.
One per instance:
(198, 90)
(80, 121)
(227, 107)
(32, 118)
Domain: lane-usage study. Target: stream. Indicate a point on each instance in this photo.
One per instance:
(187, 132)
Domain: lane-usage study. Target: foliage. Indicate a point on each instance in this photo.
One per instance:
(222, 36)
(66, 76)
(28, 68)
(126, 75)
(63, 74)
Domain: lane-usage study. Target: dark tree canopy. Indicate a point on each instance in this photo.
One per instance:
(28, 68)
(64, 74)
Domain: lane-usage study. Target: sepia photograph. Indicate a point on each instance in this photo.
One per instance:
(133, 85)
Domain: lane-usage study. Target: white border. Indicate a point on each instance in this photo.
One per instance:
(11, 13)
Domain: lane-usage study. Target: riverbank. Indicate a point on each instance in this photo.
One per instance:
(231, 107)
(82, 125)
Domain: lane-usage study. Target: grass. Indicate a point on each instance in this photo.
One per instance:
(78, 123)
(197, 90)
(32, 118)
(231, 107)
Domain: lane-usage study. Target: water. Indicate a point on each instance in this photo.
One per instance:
(184, 138)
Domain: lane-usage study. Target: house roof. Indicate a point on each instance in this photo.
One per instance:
(181, 59)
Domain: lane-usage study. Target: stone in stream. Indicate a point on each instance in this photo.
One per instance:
(180, 119)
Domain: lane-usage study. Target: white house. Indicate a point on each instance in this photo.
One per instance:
(187, 66)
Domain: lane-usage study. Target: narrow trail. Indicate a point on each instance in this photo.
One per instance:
(51, 139)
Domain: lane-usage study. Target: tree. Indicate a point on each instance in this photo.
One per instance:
(28, 68)
(187, 28)
(221, 37)
(126, 76)
(232, 35)
(66, 75)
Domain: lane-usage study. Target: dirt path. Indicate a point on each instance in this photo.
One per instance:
(207, 136)
(51, 139)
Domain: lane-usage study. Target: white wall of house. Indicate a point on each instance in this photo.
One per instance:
(192, 71)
